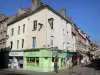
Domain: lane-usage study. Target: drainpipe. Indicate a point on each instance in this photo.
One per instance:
(46, 27)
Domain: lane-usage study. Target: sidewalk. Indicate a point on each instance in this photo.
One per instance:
(85, 70)
(60, 72)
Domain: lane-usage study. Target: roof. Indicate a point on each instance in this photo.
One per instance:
(4, 19)
(22, 16)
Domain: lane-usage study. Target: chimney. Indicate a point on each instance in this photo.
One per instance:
(21, 11)
(35, 4)
(63, 12)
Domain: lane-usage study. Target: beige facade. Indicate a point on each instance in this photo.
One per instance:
(46, 36)
(83, 43)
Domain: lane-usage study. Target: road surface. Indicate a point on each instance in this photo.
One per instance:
(90, 69)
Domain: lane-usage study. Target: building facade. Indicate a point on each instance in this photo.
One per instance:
(3, 30)
(42, 27)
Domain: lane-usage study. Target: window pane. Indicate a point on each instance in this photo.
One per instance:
(12, 31)
(34, 42)
(22, 43)
(11, 43)
(23, 28)
(17, 44)
(35, 25)
(37, 61)
(32, 60)
(18, 29)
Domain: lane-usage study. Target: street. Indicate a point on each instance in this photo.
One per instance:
(90, 69)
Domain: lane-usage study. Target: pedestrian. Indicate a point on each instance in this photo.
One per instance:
(56, 64)
(82, 61)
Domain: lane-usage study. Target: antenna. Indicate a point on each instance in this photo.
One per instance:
(21, 6)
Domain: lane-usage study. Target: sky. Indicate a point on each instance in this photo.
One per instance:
(84, 13)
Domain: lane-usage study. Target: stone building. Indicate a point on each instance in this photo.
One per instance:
(3, 30)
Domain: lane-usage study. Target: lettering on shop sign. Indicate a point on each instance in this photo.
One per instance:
(16, 54)
(31, 54)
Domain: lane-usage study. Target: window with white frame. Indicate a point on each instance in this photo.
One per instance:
(12, 31)
(17, 44)
(22, 43)
(33, 42)
(18, 29)
(23, 28)
(34, 25)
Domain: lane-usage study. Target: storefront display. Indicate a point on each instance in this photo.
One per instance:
(38, 60)
(16, 60)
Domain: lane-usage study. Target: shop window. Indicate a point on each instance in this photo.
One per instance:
(33, 60)
(61, 62)
(28, 60)
(37, 61)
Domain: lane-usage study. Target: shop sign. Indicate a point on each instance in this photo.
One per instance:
(16, 54)
(31, 54)
(69, 47)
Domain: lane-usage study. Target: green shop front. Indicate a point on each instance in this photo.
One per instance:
(42, 60)
(62, 59)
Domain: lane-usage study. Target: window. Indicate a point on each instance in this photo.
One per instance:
(1, 32)
(34, 42)
(37, 60)
(18, 29)
(67, 32)
(12, 31)
(63, 31)
(51, 41)
(22, 43)
(66, 24)
(17, 44)
(64, 45)
(34, 25)
(33, 60)
(51, 22)
(3, 42)
(23, 28)
(11, 43)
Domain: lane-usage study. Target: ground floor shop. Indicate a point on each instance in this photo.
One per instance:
(16, 60)
(71, 58)
(43, 60)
